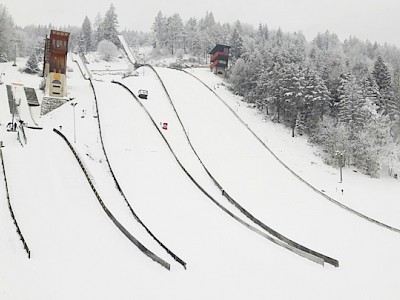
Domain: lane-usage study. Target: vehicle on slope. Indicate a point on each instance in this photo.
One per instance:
(143, 94)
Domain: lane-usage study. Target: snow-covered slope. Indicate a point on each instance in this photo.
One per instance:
(170, 203)
(376, 198)
(160, 108)
(78, 253)
(70, 237)
(256, 180)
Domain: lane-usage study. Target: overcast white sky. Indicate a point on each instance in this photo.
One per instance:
(376, 20)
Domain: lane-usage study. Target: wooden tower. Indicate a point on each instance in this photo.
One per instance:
(219, 59)
(55, 64)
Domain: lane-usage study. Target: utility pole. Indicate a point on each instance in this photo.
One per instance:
(15, 57)
(340, 157)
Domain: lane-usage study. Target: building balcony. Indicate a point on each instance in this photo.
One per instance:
(220, 55)
(219, 63)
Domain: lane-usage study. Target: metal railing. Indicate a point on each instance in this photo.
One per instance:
(28, 251)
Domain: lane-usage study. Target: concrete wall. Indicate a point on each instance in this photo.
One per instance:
(56, 85)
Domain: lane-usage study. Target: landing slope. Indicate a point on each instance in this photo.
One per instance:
(70, 237)
(261, 184)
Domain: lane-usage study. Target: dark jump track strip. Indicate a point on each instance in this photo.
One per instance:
(172, 254)
(107, 211)
(276, 237)
(28, 251)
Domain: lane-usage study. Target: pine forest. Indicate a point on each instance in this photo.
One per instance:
(344, 96)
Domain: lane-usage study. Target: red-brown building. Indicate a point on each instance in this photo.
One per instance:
(219, 59)
(55, 64)
(55, 54)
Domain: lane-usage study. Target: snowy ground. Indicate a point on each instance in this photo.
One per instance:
(78, 253)
(377, 198)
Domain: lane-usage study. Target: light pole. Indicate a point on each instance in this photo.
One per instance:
(73, 106)
(15, 57)
(340, 156)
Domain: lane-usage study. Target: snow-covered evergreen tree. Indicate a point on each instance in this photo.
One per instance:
(262, 33)
(174, 32)
(261, 90)
(327, 56)
(6, 33)
(388, 100)
(293, 93)
(32, 64)
(381, 74)
(360, 69)
(159, 30)
(85, 37)
(191, 36)
(316, 102)
(98, 31)
(396, 80)
(110, 26)
(274, 86)
(396, 92)
(371, 90)
(236, 42)
(350, 106)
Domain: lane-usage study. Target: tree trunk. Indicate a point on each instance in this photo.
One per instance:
(278, 114)
(293, 123)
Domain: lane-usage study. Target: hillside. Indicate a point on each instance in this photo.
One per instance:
(78, 252)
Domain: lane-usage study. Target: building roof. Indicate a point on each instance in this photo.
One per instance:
(217, 48)
(58, 34)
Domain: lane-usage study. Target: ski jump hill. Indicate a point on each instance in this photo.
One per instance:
(171, 197)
